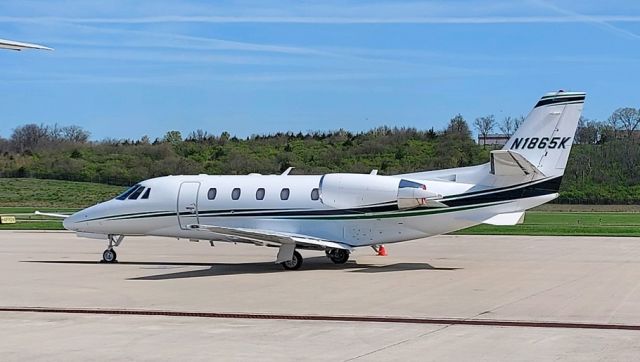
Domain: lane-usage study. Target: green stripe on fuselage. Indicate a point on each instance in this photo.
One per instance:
(351, 216)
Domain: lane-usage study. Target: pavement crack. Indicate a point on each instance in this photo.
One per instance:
(537, 293)
(398, 343)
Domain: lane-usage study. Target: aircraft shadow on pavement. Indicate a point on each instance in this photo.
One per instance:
(222, 269)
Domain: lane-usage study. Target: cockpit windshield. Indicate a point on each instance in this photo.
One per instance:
(135, 194)
(129, 191)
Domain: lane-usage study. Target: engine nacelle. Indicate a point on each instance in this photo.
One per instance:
(345, 191)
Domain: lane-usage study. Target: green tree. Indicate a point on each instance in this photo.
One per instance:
(173, 137)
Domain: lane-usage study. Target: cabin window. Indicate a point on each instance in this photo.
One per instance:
(235, 194)
(260, 194)
(135, 194)
(146, 194)
(211, 194)
(284, 194)
(315, 194)
(126, 194)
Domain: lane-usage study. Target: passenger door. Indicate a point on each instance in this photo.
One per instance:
(188, 204)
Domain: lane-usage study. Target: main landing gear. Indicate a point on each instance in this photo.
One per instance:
(338, 256)
(109, 255)
(295, 263)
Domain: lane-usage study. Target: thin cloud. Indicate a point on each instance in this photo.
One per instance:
(602, 22)
(211, 43)
(150, 39)
(307, 77)
(569, 18)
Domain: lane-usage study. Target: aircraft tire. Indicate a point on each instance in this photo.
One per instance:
(339, 256)
(293, 264)
(109, 256)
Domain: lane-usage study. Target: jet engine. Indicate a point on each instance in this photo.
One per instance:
(346, 191)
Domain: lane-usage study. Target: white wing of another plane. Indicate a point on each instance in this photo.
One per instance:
(61, 216)
(15, 45)
(275, 238)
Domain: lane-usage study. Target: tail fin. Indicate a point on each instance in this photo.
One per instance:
(538, 150)
(546, 135)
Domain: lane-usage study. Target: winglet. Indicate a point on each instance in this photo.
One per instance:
(286, 172)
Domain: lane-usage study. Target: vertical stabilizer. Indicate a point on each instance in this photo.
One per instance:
(546, 135)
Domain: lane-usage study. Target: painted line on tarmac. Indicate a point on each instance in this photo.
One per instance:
(326, 318)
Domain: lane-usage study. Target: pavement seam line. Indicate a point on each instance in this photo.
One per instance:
(325, 318)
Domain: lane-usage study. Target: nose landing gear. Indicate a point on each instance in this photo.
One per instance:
(109, 255)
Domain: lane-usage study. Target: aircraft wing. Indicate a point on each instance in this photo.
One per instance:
(268, 237)
(16, 45)
(61, 216)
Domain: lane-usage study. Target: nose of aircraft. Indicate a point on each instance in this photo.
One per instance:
(70, 223)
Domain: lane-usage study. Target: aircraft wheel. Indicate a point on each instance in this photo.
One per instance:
(339, 256)
(295, 263)
(109, 256)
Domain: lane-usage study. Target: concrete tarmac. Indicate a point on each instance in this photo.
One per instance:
(471, 278)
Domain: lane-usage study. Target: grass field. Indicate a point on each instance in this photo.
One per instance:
(47, 195)
(17, 192)
(535, 223)
(67, 197)
(567, 223)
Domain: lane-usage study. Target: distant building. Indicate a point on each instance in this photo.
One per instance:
(493, 139)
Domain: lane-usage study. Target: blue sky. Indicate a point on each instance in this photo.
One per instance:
(125, 69)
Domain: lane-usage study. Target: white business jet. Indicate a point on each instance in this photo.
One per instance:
(339, 212)
(16, 45)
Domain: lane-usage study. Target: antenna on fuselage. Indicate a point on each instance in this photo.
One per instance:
(286, 172)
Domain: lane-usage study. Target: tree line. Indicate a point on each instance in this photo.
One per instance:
(602, 167)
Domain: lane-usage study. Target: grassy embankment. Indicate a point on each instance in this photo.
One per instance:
(567, 223)
(21, 197)
(66, 197)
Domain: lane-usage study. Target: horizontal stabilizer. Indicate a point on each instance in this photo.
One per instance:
(510, 163)
(512, 218)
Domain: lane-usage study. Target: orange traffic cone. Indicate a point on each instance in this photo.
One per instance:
(382, 251)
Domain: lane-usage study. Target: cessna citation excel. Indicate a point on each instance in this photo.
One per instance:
(338, 212)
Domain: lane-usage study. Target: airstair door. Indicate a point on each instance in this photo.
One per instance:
(188, 204)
